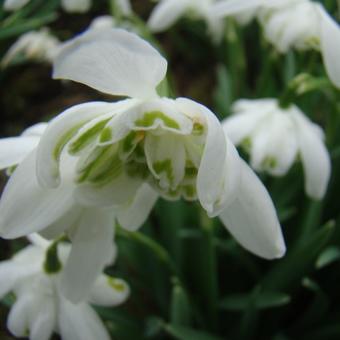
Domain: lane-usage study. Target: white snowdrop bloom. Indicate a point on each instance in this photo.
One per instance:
(126, 154)
(79, 6)
(40, 309)
(91, 230)
(35, 45)
(167, 12)
(300, 24)
(275, 138)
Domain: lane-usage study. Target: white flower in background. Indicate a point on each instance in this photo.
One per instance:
(40, 309)
(35, 45)
(126, 154)
(75, 6)
(300, 24)
(275, 138)
(167, 12)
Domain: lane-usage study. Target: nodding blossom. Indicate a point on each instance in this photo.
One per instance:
(300, 24)
(40, 309)
(103, 158)
(34, 45)
(275, 138)
(167, 12)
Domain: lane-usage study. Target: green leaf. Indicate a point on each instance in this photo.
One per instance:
(180, 311)
(264, 300)
(328, 256)
(186, 333)
(299, 261)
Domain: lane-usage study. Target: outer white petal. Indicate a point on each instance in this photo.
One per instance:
(18, 318)
(44, 320)
(315, 158)
(132, 216)
(80, 322)
(11, 5)
(108, 291)
(113, 61)
(330, 46)
(79, 6)
(92, 249)
(25, 207)
(251, 218)
(36, 130)
(60, 131)
(210, 177)
(13, 150)
(166, 13)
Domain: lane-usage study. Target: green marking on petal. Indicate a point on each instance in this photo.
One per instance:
(66, 137)
(87, 137)
(164, 167)
(116, 284)
(189, 192)
(106, 135)
(136, 169)
(269, 163)
(149, 119)
(105, 167)
(191, 172)
(198, 129)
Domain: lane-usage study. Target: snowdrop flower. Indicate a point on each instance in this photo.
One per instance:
(128, 153)
(35, 45)
(96, 245)
(40, 308)
(276, 138)
(167, 12)
(300, 24)
(68, 5)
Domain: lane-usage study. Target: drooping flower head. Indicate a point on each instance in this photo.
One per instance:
(120, 157)
(40, 309)
(34, 45)
(300, 24)
(277, 137)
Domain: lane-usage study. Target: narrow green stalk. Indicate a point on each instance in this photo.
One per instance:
(160, 252)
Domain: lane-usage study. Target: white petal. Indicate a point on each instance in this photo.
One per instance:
(165, 155)
(120, 191)
(124, 6)
(166, 13)
(231, 178)
(44, 320)
(232, 7)
(75, 6)
(112, 61)
(251, 218)
(210, 176)
(240, 125)
(92, 249)
(330, 46)
(35, 130)
(133, 215)
(25, 207)
(80, 322)
(315, 158)
(14, 150)
(18, 318)
(11, 5)
(108, 291)
(59, 132)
